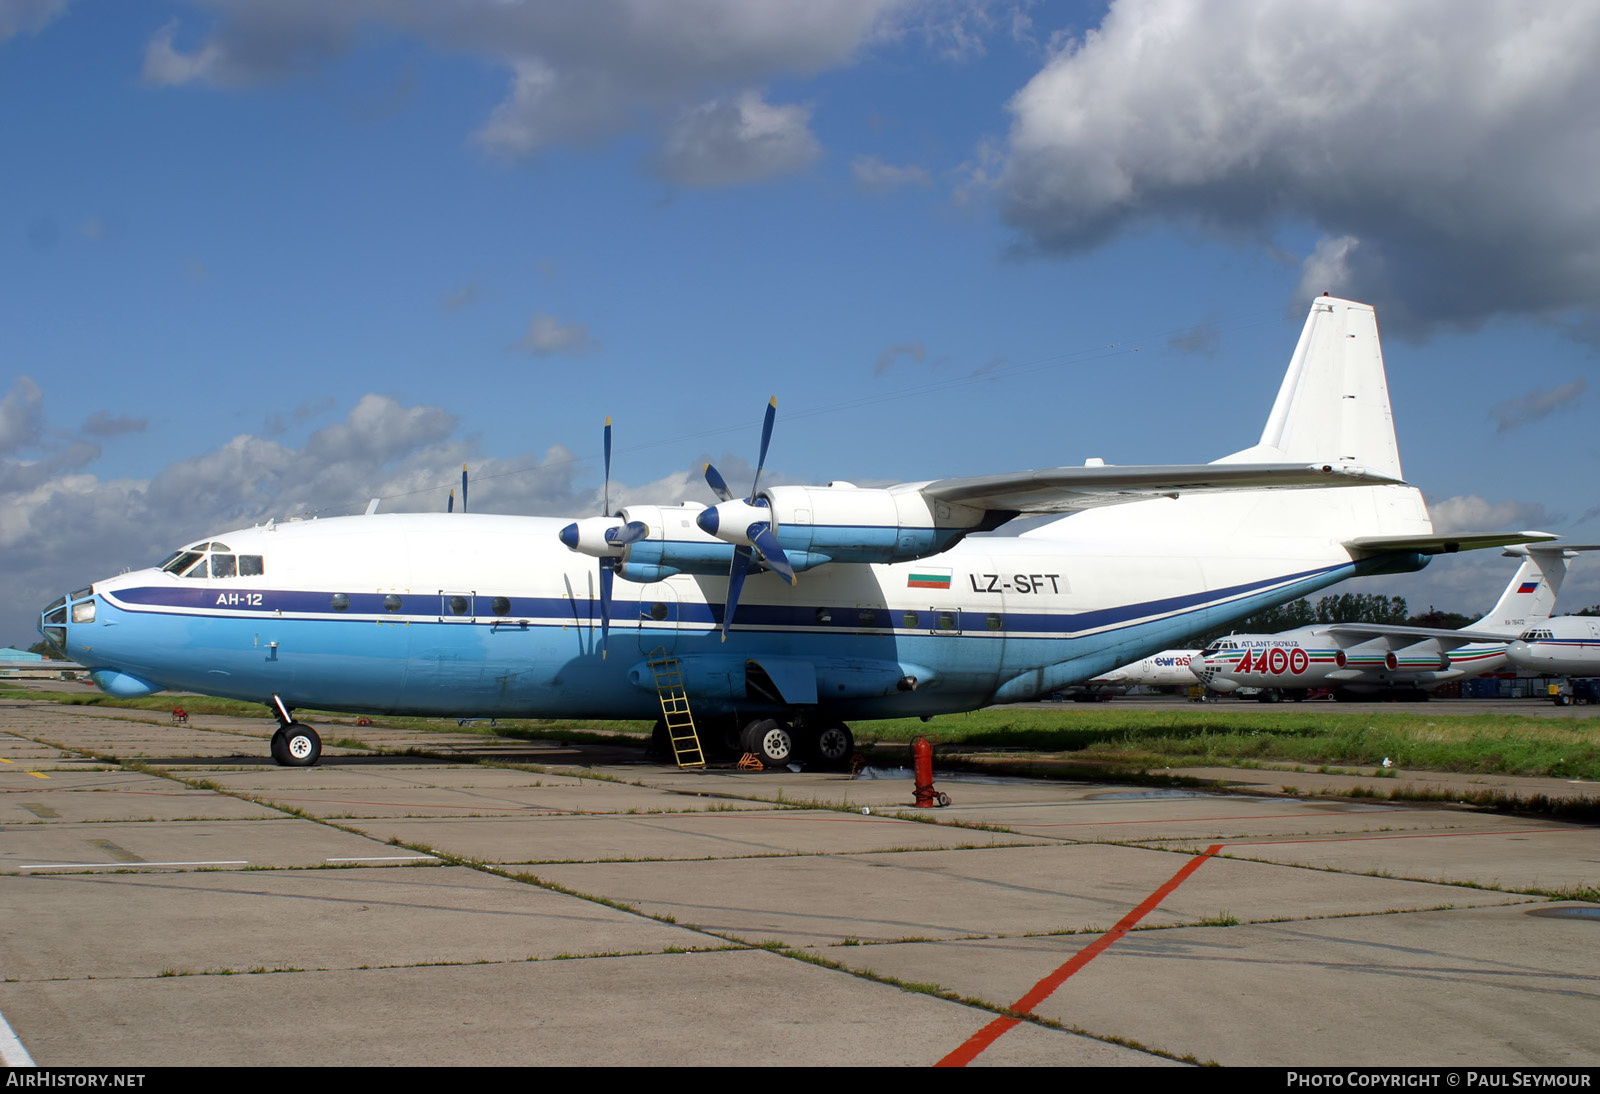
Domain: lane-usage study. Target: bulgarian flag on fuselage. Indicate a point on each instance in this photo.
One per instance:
(928, 579)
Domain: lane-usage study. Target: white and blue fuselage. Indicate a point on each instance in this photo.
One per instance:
(488, 615)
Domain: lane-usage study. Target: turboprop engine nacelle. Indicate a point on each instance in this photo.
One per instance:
(675, 545)
(842, 522)
(601, 537)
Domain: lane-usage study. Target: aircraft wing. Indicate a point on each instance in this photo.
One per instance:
(1397, 636)
(1068, 489)
(1439, 544)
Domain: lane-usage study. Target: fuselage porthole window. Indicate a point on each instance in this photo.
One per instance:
(340, 602)
(500, 606)
(824, 615)
(460, 605)
(391, 603)
(658, 611)
(994, 622)
(869, 618)
(909, 620)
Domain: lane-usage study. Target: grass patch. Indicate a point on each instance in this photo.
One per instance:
(1501, 744)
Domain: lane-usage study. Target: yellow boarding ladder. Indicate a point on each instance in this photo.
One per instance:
(675, 709)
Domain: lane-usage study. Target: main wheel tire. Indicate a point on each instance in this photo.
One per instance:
(770, 740)
(296, 745)
(835, 745)
(660, 741)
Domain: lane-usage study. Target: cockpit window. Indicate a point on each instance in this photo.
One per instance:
(193, 562)
(181, 562)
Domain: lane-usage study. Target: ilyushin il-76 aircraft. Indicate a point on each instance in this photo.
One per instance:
(793, 609)
(1391, 660)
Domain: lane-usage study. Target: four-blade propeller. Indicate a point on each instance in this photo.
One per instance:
(747, 524)
(607, 537)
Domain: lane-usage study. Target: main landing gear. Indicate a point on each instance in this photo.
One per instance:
(821, 741)
(295, 744)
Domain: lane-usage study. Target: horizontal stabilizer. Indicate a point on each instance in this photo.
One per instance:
(1437, 544)
(1068, 489)
(1565, 550)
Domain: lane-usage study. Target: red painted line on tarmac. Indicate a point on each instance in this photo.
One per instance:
(1041, 991)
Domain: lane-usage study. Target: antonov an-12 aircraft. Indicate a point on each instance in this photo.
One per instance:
(791, 610)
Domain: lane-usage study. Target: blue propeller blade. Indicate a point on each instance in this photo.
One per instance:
(719, 485)
(736, 572)
(608, 574)
(771, 553)
(766, 439)
(606, 511)
(632, 532)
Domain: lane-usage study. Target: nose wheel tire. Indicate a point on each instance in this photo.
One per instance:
(296, 745)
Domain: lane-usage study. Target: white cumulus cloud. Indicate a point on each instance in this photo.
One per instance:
(1446, 149)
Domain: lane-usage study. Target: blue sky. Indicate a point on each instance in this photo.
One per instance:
(265, 257)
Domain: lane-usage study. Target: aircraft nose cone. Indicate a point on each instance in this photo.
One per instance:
(708, 521)
(569, 536)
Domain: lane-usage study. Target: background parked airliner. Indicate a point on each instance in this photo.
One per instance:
(794, 608)
(1565, 646)
(1371, 659)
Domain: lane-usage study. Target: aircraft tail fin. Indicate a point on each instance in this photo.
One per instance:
(1531, 595)
(1333, 404)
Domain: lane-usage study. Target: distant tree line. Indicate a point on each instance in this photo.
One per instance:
(1343, 608)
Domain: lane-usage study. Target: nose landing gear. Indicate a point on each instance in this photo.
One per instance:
(295, 744)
